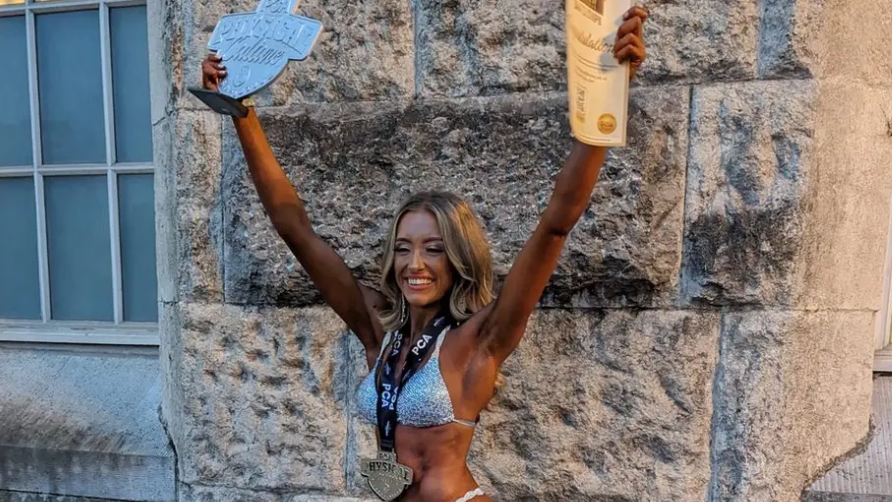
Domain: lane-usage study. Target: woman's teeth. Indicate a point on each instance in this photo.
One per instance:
(419, 282)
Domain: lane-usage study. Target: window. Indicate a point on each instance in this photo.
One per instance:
(77, 233)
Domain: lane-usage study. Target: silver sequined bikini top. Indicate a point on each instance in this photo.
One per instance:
(424, 400)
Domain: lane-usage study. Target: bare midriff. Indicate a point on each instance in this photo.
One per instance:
(437, 457)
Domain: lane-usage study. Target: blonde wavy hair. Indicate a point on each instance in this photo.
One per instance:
(466, 248)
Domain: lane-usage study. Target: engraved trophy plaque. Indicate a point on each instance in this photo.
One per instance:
(255, 47)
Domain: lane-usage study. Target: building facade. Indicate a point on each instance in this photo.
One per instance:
(709, 335)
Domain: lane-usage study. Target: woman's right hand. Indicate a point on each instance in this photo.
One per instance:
(212, 72)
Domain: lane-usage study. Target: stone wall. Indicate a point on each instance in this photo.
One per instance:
(708, 333)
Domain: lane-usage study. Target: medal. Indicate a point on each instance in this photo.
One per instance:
(387, 478)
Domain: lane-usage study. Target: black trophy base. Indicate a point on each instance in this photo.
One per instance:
(220, 103)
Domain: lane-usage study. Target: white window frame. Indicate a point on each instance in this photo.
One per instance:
(46, 329)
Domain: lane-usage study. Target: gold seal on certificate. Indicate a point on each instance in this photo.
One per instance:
(597, 84)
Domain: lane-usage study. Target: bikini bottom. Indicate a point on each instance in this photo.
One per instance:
(476, 492)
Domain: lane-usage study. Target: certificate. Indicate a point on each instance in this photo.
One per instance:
(597, 84)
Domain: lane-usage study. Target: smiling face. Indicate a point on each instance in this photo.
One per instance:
(435, 256)
(420, 265)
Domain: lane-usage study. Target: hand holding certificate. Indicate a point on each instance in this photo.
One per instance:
(604, 49)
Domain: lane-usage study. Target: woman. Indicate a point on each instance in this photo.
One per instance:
(434, 338)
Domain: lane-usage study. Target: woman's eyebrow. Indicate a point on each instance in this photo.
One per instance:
(426, 240)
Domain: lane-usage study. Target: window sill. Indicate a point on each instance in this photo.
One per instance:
(139, 334)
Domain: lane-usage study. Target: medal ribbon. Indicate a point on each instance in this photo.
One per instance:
(390, 384)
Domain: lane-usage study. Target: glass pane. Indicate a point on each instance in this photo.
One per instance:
(19, 276)
(136, 196)
(79, 248)
(130, 84)
(11, 2)
(15, 121)
(70, 85)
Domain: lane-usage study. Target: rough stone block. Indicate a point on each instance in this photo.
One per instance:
(800, 38)
(749, 165)
(603, 405)
(187, 206)
(364, 53)
(833, 48)
(362, 438)
(845, 211)
(701, 40)
(327, 498)
(786, 38)
(198, 493)
(866, 469)
(470, 48)
(354, 164)
(160, 77)
(263, 398)
(173, 366)
(792, 391)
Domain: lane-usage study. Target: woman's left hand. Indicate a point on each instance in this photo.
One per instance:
(629, 44)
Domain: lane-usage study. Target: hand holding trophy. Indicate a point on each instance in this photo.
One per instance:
(250, 50)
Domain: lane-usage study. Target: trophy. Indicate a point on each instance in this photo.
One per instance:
(255, 47)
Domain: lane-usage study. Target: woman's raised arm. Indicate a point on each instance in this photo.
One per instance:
(505, 324)
(354, 303)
